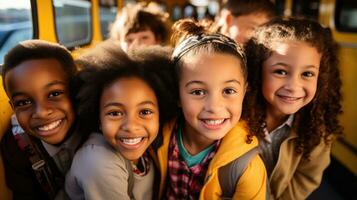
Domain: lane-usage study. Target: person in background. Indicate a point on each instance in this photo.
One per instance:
(139, 26)
(239, 18)
(38, 148)
(293, 102)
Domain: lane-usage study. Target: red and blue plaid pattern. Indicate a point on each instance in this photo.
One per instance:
(185, 182)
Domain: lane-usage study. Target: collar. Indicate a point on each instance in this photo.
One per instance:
(71, 143)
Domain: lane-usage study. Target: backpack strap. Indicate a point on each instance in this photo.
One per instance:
(49, 180)
(230, 174)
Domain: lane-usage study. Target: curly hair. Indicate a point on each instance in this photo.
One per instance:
(319, 118)
(152, 65)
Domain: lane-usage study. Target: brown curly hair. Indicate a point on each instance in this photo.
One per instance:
(319, 118)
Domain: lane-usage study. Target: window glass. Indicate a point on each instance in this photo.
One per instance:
(15, 24)
(308, 9)
(190, 12)
(108, 12)
(176, 13)
(346, 15)
(280, 7)
(73, 22)
(129, 2)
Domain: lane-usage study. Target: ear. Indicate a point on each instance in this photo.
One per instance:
(228, 17)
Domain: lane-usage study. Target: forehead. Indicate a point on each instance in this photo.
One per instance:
(294, 49)
(211, 67)
(128, 88)
(255, 19)
(39, 71)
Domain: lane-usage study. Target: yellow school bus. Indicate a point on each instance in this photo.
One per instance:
(81, 24)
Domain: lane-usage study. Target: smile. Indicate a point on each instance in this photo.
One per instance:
(289, 99)
(131, 141)
(213, 124)
(50, 127)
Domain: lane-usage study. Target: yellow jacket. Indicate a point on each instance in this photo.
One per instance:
(294, 177)
(252, 184)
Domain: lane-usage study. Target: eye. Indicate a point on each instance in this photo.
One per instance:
(308, 74)
(115, 114)
(22, 103)
(145, 112)
(145, 37)
(198, 92)
(280, 72)
(55, 94)
(229, 91)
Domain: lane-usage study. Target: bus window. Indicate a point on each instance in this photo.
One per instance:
(280, 7)
(16, 24)
(129, 2)
(73, 22)
(176, 12)
(108, 11)
(190, 12)
(346, 15)
(308, 9)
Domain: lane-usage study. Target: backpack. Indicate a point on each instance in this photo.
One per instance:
(230, 174)
(46, 171)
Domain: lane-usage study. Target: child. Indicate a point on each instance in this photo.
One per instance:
(122, 105)
(138, 26)
(294, 102)
(37, 78)
(239, 18)
(212, 75)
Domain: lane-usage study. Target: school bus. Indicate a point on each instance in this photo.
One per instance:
(81, 24)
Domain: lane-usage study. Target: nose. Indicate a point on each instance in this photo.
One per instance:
(130, 124)
(293, 83)
(213, 103)
(42, 110)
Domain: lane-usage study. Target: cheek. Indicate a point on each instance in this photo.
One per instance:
(23, 118)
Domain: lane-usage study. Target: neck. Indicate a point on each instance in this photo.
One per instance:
(193, 141)
(274, 119)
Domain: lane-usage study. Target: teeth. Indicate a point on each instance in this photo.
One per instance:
(131, 141)
(50, 126)
(213, 122)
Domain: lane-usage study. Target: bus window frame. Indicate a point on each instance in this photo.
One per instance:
(90, 28)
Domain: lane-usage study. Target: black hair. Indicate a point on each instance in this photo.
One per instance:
(40, 49)
(152, 65)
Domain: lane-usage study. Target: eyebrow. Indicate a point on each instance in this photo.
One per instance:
(56, 82)
(117, 104)
(287, 65)
(202, 83)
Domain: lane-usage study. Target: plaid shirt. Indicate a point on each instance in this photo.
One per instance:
(185, 182)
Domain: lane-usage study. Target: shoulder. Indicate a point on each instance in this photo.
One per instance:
(253, 182)
(95, 156)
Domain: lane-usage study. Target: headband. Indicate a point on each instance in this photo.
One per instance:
(198, 40)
